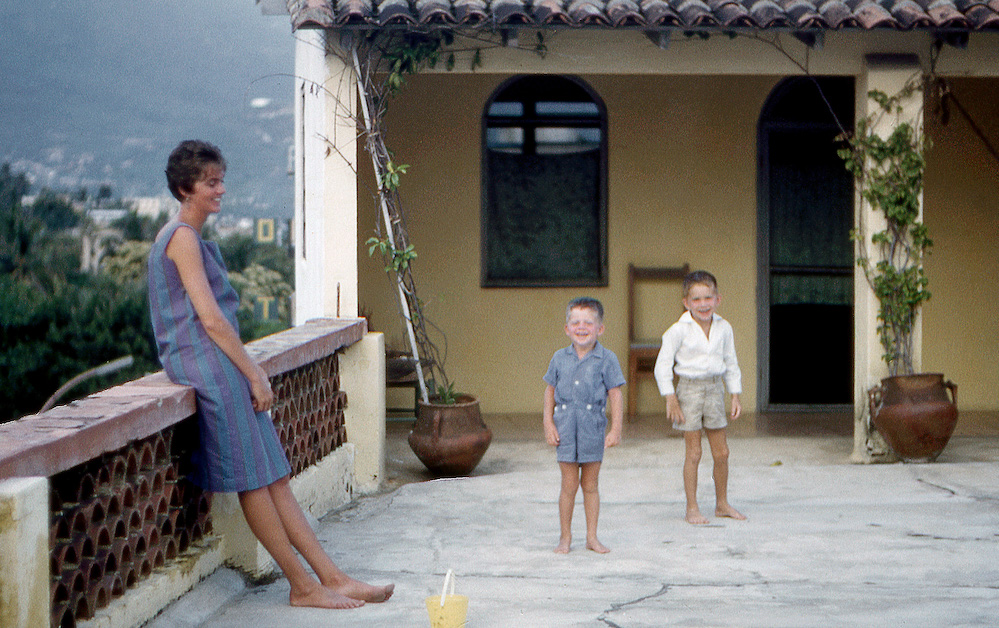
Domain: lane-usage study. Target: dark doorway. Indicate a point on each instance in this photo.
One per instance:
(806, 255)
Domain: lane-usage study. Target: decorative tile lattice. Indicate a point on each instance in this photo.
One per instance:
(117, 518)
(308, 412)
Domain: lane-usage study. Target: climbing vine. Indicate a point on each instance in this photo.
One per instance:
(889, 174)
(381, 62)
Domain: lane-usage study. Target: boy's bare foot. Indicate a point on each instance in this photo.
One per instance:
(363, 591)
(563, 546)
(728, 511)
(322, 597)
(597, 546)
(695, 517)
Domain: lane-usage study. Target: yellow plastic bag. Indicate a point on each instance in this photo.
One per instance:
(447, 610)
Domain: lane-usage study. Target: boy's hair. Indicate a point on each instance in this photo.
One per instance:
(187, 164)
(698, 277)
(587, 303)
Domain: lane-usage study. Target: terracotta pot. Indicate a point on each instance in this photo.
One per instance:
(450, 439)
(914, 414)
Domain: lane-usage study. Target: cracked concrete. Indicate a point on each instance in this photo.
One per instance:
(826, 543)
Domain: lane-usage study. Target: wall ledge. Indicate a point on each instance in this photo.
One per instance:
(65, 436)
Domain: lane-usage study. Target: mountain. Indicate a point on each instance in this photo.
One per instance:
(99, 92)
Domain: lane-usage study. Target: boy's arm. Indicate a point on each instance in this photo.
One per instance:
(616, 404)
(665, 361)
(736, 406)
(548, 416)
(673, 411)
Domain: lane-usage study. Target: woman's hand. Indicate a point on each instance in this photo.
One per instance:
(260, 391)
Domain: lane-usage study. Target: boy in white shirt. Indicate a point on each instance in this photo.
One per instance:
(700, 349)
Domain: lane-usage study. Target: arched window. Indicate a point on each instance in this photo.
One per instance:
(544, 184)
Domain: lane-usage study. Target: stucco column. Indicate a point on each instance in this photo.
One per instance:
(362, 376)
(24, 553)
(888, 74)
(325, 183)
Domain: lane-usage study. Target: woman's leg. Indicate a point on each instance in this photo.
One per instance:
(590, 472)
(266, 524)
(566, 503)
(303, 538)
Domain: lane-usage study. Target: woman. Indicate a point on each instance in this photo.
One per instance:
(194, 318)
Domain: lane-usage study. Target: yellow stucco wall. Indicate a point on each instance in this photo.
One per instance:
(682, 188)
(961, 209)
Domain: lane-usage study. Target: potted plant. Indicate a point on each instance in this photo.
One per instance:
(912, 411)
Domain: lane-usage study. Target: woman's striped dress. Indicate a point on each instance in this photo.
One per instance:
(239, 448)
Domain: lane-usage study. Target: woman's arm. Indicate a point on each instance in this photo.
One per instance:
(185, 252)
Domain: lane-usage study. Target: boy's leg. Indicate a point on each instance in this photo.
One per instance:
(591, 505)
(719, 454)
(303, 538)
(566, 503)
(691, 459)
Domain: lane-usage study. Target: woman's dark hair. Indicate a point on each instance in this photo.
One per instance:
(187, 164)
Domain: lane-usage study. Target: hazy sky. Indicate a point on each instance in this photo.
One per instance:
(100, 91)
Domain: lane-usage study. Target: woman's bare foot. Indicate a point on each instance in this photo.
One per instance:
(323, 597)
(563, 546)
(363, 591)
(728, 511)
(695, 517)
(597, 546)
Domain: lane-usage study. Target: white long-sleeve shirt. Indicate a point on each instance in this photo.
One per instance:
(689, 353)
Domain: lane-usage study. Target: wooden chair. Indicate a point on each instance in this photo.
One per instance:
(642, 353)
(400, 372)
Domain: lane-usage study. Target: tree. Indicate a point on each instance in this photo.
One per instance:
(238, 251)
(140, 228)
(12, 188)
(54, 211)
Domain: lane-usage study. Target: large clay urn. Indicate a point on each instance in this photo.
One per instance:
(914, 414)
(450, 439)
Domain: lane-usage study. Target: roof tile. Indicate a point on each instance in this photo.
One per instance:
(954, 15)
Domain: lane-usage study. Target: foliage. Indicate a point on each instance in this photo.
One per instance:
(31, 250)
(277, 258)
(140, 228)
(446, 395)
(397, 259)
(54, 211)
(127, 263)
(237, 251)
(889, 174)
(256, 284)
(47, 338)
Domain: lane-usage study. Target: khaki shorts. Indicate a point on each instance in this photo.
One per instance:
(702, 402)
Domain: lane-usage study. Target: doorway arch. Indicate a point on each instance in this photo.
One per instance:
(805, 255)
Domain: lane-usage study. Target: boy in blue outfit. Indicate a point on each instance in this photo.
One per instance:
(700, 350)
(582, 379)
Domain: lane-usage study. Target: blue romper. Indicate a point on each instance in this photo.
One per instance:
(239, 447)
(580, 398)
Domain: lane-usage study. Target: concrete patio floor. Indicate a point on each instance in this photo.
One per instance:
(827, 543)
